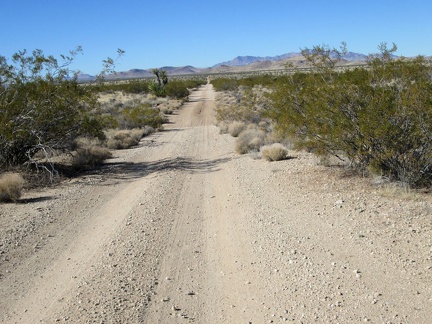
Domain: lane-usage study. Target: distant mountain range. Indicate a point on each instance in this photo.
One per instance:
(140, 73)
(238, 64)
(246, 60)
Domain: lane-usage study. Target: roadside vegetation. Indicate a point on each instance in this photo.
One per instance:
(241, 112)
(49, 123)
(377, 119)
(274, 152)
(11, 185)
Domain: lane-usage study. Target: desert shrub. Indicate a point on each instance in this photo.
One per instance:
(274, 152)
(273, 136)
(379, 118)
(135, 86)
(89, 153)
(42, 107)
(241, 110)
(156, 89)
(141, 115)
(121, 140)
(166, 110)
(90, 156)
(124, 139)
(11, 185)
(246, 105)
(132, 86)
(177, 89)
(194, 83)
(235, 128)
(261, 80)
(108, 121)
(147, 130)
(249, 140)
(232, 84)
(225, 84)
(223, 127)
(120, 143)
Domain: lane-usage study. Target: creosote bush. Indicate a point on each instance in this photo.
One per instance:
(11, 185)
(274, 152)
(379, 119)
(43, 108)
(179, 89)
(232, 84)
(132, 86)
(141, 115)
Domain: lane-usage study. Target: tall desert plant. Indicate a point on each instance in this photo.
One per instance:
(158, 87)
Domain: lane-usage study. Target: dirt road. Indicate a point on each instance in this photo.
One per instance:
(182, 230)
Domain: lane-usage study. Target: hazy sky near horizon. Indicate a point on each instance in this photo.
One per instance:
(203, 33)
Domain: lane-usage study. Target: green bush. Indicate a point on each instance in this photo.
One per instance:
(176, 89)
(41, 108)
(132, 86)
(156, 89)
(136, 86)
(378, 118)
(225, 84)
(140, 116)
(232, 84)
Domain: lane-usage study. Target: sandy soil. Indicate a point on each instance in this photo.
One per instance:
(182, 230)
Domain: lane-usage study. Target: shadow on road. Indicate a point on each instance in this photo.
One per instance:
(34, 200)
(130, 170)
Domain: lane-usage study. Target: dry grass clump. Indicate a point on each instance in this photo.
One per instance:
(166, 110)
(223, 127)
(124, 139)
(169, 106)
(89, 153)
(275, 137)
(90, 156)
(249, 140)
(274, 152)
(235, 128)
(147, 130)
(11, 185)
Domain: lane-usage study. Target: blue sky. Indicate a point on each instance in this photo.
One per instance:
(202, 33)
